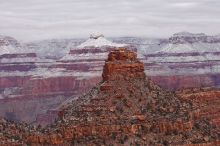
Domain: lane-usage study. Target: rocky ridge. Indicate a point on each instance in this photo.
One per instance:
(125, 109)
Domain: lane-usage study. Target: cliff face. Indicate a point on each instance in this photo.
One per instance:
(125, 109)
(30, 87)
(31, 99)
(175, 71)
(123, 62)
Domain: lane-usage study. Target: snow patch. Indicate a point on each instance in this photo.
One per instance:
(99, 41)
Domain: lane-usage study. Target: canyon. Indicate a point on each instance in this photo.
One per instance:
(36, 78)
(126, 108)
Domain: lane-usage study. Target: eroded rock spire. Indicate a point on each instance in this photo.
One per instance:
(124, 63)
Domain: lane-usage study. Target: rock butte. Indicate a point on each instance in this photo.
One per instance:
(126, 108)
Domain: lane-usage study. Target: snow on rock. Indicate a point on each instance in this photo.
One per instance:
(189, 42)
(194, 47)
(95, 48)
(98, 40)
(9, 45)
(7, 49)
(54, 48)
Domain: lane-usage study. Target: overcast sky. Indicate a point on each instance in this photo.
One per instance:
(28, 20)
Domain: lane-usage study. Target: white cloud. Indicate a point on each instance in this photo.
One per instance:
(41, 19)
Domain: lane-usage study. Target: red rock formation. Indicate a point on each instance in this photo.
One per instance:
(127, 63)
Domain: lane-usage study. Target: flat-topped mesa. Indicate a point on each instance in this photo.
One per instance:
(121, 64)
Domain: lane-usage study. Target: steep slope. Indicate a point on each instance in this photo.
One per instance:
(125, 109)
